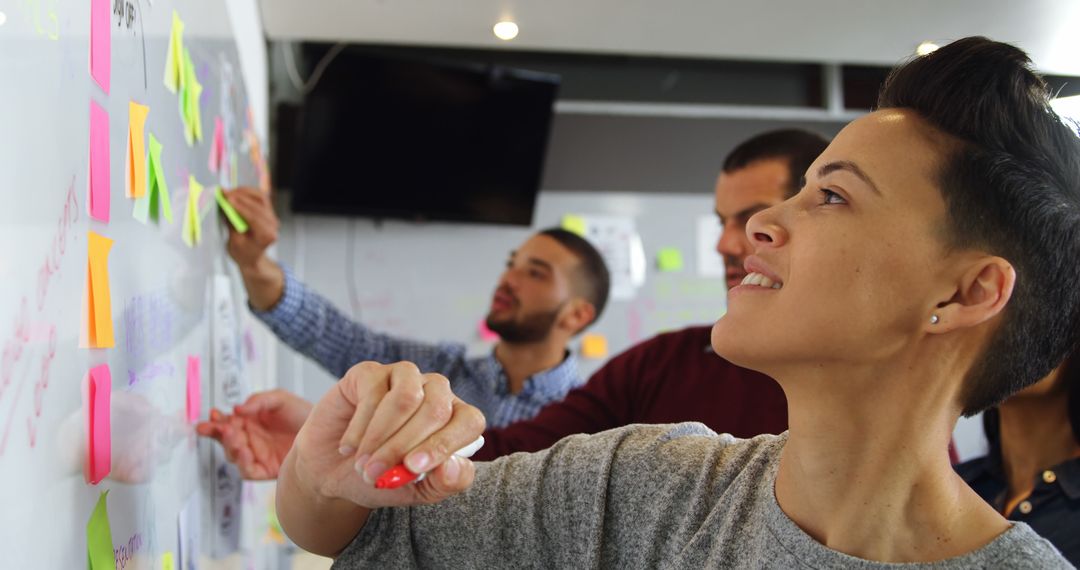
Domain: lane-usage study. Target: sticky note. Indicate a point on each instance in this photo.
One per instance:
(217, 146)
(669, 259)
(594, 346)
(576, 224)
(156, 201)
(192, 229)
(135, 170)
(485, 333)
(168, 560)
(238, 222)
(100, 42)
(174, 55)
(194, 396)
(98, 179)
(99, 545)
(98, 396)
(190, 106)
(97, 331)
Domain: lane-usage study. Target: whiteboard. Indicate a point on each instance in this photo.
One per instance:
(164, 299)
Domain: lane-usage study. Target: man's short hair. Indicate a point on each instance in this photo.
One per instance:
(800, 148)
(592, 280)
(1011, 184)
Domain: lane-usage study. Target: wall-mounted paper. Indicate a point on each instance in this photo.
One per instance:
(97, 306)
(100, 43)
(98, 396)
(99, 545)
(98, 180)
(135, 169)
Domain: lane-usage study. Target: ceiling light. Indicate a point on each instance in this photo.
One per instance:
(926, 48)
(3, 18)
(506, 30)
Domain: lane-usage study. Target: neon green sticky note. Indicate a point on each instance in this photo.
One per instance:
(233, 216)
(168, 561)
(99, 545)
(576, 224)
(173, 63)
(669, 259)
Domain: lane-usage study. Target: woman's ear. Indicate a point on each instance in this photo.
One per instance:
(981, 294)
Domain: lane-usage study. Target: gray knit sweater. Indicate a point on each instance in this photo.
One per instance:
(674, 496)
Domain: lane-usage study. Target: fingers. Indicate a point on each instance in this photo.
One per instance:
(434, 412)
(454, 476)
(260, 402)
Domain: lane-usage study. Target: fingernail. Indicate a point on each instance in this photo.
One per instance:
(418, 462)
(451, 470)
(373, 470)
(360, 463)
(346, 450)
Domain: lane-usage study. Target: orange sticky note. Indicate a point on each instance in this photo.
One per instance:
(594, 346)
(100, 43)
(98, 180)
(98, 395)
(97, 303)
(135, 171)
(194, 390)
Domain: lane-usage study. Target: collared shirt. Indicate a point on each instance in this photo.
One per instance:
(313, 326)
(1052, 509)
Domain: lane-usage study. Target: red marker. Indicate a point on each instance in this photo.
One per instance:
(399, 475)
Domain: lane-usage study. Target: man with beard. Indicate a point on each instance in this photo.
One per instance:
(554, 285)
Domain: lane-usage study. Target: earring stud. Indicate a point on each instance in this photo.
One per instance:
(934, 319)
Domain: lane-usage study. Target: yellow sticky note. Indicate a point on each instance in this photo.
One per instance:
(168, 561)
(669, 259)
(594, 346)
(174, 55)
(99, 546)
(135, 179)
(572, 223)
(97, 304)
(192, 230)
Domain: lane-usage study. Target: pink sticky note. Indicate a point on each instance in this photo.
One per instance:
(217, 146)
(100, 43)
(194, 395)
(99, 163)
(98, 395)
(486, 334)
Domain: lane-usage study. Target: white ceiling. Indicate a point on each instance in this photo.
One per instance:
(847, 31)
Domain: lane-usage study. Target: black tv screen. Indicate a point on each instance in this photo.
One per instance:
(382, 136)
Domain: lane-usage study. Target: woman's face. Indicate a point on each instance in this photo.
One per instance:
(858, 255)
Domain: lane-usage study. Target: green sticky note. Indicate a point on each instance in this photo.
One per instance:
(234, 217)
(572, 223)
(99, 545)
(669, 259)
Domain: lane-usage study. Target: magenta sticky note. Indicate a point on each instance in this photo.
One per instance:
(486, 334)
(100, 43)
(194, 395)
(99, 423)
(98, 178)
(217, 146)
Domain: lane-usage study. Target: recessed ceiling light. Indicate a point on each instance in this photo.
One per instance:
(926, 48)
(3, 18)
(506, 30)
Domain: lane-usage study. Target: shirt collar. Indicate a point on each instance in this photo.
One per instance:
(552, 383)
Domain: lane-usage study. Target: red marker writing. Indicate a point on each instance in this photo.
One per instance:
(399, 475)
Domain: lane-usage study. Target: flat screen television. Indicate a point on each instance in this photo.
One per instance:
(383, 136)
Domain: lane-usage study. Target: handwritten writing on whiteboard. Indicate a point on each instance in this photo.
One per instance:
(149, 321)
(125, 552)
(58, 246)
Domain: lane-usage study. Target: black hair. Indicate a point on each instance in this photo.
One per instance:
(800, 148)
(594, 281)
(1010, 178)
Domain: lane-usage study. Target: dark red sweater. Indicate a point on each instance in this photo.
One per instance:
(672, 377)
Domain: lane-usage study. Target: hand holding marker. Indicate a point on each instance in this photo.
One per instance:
(400, 475)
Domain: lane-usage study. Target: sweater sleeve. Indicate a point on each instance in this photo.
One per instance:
(603, 403)
(549, 509)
